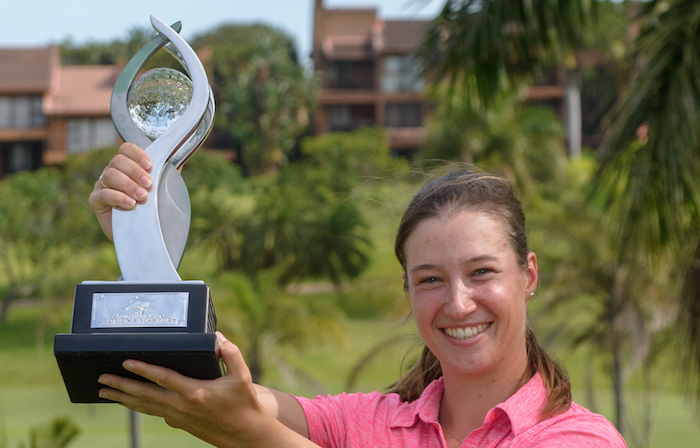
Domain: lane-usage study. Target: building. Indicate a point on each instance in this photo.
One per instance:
(370, 78)
(48, 111)
(369, 75)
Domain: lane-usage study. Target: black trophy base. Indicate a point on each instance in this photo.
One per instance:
(166, 324)
(82, 358)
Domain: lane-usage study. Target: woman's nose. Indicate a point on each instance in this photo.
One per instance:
(460, 302)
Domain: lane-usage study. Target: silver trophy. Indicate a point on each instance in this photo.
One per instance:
(150, 314)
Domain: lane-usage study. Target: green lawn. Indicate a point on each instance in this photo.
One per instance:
(32, 393)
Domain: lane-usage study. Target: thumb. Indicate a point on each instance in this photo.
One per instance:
(232, 357)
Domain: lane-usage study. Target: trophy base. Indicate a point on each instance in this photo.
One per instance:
(167, 324)
(82, 358)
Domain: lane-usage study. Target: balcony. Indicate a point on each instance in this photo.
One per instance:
(349, 75)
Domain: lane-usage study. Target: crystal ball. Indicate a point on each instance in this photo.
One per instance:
(157, 99)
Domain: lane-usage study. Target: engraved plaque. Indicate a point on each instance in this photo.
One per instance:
(122, 310)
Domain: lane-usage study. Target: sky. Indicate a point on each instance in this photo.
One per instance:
(32, 23)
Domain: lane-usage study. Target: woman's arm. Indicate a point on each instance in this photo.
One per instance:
(227, 412)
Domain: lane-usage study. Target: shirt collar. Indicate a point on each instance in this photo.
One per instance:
(426, 407)
(522, 408)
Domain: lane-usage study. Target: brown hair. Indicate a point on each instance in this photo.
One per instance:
(494, 195)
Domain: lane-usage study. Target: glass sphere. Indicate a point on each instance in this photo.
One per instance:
(157, 99)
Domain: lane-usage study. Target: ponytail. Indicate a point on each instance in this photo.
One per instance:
(553, 374)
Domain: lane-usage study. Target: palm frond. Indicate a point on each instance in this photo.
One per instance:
(500, 40)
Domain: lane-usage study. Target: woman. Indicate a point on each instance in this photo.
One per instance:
(482, 381)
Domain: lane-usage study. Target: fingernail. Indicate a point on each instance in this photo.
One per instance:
(130, 202)
(128, 365)
(146, 164)
(220, 337)
(102, 394)
(141, 193)
(146, 181)
(103, 380)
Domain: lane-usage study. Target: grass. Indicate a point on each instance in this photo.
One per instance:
(32, 392)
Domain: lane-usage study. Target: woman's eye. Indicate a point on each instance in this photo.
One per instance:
(482, 271)
(429, 280)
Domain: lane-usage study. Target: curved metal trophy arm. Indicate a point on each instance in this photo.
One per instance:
(140, 240)
(205, 126)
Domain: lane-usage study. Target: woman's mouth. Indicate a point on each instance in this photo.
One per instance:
(466, 332)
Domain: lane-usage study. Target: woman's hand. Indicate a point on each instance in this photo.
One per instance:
(225, 412)
(124, 183)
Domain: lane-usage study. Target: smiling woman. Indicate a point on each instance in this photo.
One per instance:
(482, 381)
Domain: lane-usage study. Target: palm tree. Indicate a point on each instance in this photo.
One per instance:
(649, 161)
(623, 309)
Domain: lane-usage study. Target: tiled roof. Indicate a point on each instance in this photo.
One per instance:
(26, 70)
(403, 36)
(82, 90)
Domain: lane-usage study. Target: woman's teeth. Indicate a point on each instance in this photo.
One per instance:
(467, 332)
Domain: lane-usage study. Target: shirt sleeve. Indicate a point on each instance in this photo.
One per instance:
(328, 417)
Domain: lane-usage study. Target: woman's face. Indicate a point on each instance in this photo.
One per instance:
(469, 293)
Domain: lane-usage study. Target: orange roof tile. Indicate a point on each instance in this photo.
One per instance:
(82, 90)
(27, 70)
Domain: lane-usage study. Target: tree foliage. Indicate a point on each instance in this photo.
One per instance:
(44, 222)
(625, 310)
(522, 142)
(300, 224)
(115, 52)
(649, 161)
(263, 96)
(60, 433)
(500, 42)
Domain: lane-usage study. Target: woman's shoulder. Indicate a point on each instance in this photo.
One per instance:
(350, 402)
(577, 427)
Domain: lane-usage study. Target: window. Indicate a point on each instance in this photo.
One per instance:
(5, 112)
(403, 115)
(402, 74)
(339, 118)
(349, 75)
(20, 156)
(349, 117)
(21, 112)
(84, 134)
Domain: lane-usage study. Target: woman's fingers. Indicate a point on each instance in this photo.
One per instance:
(126, 177)
(140, 396)
(137, 154)
(128, 172)
(124, 183)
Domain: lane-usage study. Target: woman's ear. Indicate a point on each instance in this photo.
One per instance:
(532, 273)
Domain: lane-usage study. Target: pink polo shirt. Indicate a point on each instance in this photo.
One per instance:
(383, 420)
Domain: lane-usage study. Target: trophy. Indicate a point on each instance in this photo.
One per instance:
(150, 313)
